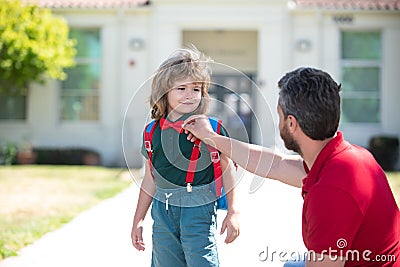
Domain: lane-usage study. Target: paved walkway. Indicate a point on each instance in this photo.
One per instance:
(270, 226)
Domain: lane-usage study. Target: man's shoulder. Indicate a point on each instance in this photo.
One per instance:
(350, 158)
(348, 170)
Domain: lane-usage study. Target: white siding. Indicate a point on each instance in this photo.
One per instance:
(126, 72)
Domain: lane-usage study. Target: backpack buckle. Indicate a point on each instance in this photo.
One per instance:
(215, 156)
(147, 145)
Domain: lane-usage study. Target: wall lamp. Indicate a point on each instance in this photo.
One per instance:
(303, 45)
(136, 44)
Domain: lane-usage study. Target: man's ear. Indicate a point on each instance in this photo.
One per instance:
(292, 121)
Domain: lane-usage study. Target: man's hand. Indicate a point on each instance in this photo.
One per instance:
(198, 127)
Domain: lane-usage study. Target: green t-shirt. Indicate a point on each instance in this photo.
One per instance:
(171, 157)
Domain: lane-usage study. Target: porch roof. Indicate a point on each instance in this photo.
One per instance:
(87, 3)
(324, 4)
(386, 5)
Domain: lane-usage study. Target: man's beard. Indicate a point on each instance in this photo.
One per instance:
(289, 141)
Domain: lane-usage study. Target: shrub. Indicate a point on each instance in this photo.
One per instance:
(9, 153)
(385, 150)
(63, 156)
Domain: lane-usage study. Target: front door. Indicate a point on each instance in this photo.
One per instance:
(235, 66)
(231, 101)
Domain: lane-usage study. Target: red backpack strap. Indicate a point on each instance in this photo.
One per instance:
(148, 137)
(215, 158)
(214, 154)
(192, 164)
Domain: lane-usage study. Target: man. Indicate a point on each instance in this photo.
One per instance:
(350, 217)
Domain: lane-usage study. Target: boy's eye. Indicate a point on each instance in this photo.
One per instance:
(181, 88)
(197, 89)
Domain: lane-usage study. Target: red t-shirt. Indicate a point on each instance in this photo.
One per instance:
(349, 209)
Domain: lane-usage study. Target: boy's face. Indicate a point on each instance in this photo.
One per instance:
(183, 98)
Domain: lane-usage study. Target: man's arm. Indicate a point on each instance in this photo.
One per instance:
(259, 160)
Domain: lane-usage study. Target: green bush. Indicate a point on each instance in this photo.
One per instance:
(62, 156)
(9, 153)
(385, 150)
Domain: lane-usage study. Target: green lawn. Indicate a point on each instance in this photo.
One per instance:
(38, 199)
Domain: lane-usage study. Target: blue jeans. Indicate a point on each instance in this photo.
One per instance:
(184, 229)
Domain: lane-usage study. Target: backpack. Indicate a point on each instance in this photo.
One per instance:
(222, 201)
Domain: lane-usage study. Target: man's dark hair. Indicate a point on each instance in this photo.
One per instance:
(312, 97)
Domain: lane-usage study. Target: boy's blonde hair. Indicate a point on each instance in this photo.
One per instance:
(183, 63)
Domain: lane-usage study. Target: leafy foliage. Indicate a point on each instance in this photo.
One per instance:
(34, 45)
(9, 153)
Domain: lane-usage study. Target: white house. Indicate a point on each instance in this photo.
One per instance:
(102, 105)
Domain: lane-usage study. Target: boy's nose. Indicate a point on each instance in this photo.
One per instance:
(189, 94)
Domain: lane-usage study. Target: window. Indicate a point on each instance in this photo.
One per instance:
(80, 91)
(361, 76)
(12, 107)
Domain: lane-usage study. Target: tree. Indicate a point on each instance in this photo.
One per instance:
(34, 46)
